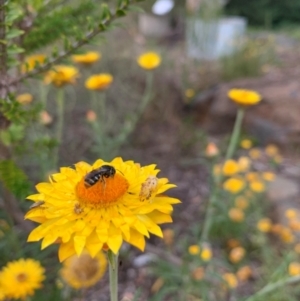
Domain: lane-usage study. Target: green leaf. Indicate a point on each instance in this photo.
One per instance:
(14, 12)
(13, 33)
(121, 13)
(135, 8)
(14, 49)
(105, 13)
(14, 179)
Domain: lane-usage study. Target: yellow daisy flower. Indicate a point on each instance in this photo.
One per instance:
(189, 93)
(99, 206)
(33, 61)
(87, 58)
(84, 271)
(246, 143)
(230, 168)
(149, 60)
(244, 97)
(234, 185)
(237, 254)
(24, 99)
(230, 280)
(244, 273)
(61, 75)
(244, 164)
(99, 81)
(21, 278)
(271, 150)
(194, 249)
(236, 215)
(264, 225)
(257, 186)
(294, 269)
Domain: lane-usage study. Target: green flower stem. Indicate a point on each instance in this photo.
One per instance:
(60, 121)
(208, 216)
(235, 134)
(273, 286)
(208, 220)
(113, 275)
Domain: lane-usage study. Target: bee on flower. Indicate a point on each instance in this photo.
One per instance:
(103, 214)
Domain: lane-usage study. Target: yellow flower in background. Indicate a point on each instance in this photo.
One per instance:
(244, 273)
(230, 168)
(291, 213)
(268, 176)
(190, 93)
(168, 236)
(234, 185)
(24, 99)
(211, 150)
(206, 253)
(99, 82)
(246, 143)
(264, 225)
(255, 153)
(230, 280)
(244, 164)
(32, 62)
(241, 202)
(237, 254)
(91, 116)
(236, 215)
(61, 75)
(87, 58)
(294, 269)
(83, 271)
(149, 60)
(82, 211)
(244, 97)
(271, 150)
(194, 249)
(252, 176)
(286, 235)
(257, 186)
(19, 279)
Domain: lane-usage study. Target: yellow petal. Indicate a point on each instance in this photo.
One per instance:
(66, 250)
(79, 243)
(159, 217)
(137, 239)
(115, 239)
(48, 240)
(150, 225)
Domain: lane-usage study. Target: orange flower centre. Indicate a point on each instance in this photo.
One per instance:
(103, 193)
(21, 277)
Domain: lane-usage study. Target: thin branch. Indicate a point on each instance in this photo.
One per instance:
(101, 28)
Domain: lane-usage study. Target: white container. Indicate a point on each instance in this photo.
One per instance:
(210, 40)
(154, 26)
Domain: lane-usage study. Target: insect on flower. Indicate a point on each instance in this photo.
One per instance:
(148, 187)
(105, 171)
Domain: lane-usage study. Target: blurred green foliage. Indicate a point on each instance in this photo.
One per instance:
(268, 13)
